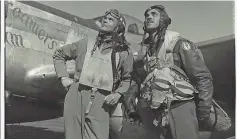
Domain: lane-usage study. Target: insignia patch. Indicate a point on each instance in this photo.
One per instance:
(186, 46)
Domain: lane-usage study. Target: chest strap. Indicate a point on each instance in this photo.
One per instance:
(173, 87)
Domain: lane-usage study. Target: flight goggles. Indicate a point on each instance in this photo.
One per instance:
(159, 7)
(115, 14)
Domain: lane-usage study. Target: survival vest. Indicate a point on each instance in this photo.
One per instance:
(165, 81)
(99, 70)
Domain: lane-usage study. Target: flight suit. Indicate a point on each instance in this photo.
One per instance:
(184, 113)
(95, 124)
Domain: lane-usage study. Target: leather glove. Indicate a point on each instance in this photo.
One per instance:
(205, 124)
(129, 99)
(134, 118)
(138, 56)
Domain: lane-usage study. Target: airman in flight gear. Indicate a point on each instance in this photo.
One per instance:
(169, 72)
(102, 75)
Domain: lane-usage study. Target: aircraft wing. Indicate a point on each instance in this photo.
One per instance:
(33, 32)
(219, 56)
(34, 29)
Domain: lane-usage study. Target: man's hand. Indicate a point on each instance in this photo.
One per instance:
(138, 56)
(67, 82)
(112, 98)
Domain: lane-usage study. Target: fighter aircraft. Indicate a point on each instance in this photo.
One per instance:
(34, 31)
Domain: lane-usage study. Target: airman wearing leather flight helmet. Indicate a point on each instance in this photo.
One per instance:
(172, 75)
(102, 75)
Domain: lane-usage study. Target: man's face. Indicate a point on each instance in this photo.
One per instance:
(152, 19)
(109, 23)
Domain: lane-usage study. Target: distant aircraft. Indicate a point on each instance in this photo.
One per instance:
(34, 31)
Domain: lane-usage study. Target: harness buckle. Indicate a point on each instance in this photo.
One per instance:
(92, 97)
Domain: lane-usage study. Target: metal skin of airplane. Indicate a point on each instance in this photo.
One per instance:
(34, 31)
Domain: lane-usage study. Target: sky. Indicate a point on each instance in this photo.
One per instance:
(194, 20)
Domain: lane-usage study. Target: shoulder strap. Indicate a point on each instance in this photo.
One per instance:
(115, 61)
(114, 69)
(180, 71)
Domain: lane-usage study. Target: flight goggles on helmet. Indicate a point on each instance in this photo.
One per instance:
(116, 14)
(158, 7)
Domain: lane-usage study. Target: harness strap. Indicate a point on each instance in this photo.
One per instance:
(147, 63)
(114, 69)
(93, 91)
(149, 77)
(155, 86)
(177, 91)
(179, 70)
(184, 87)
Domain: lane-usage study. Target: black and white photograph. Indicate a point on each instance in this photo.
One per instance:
(119, 69)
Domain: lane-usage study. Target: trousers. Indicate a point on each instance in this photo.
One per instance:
(184, 123)
(79, 125)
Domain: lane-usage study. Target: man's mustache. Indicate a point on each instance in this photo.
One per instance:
(150, 21)
(104, 24)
